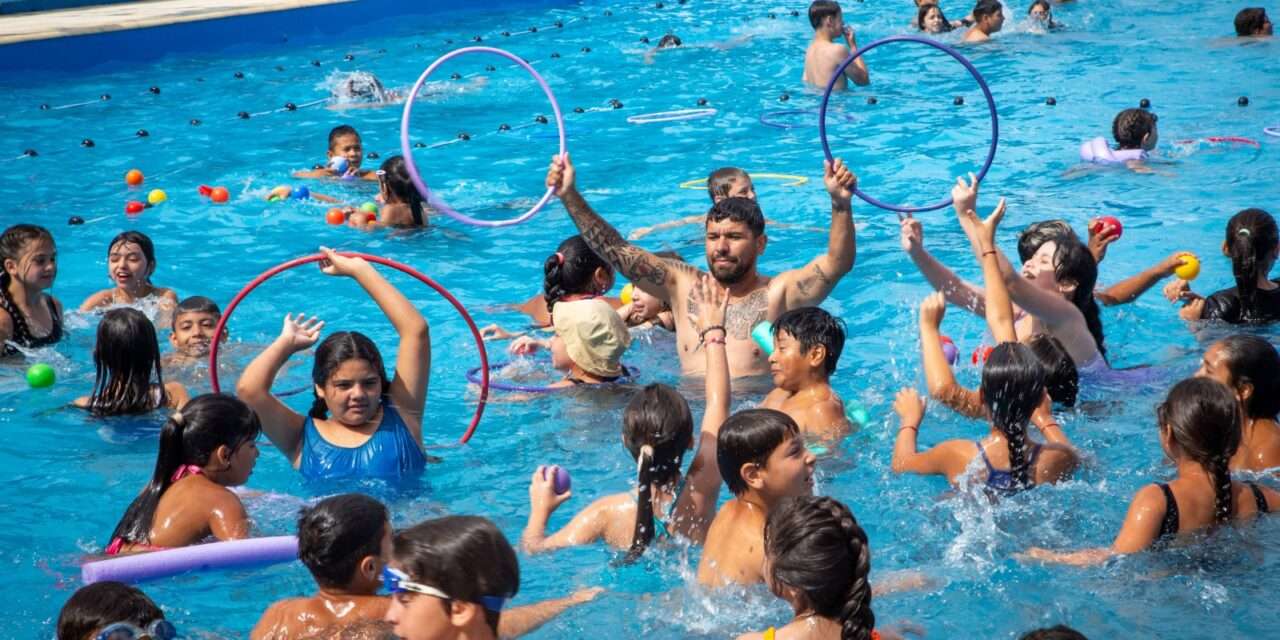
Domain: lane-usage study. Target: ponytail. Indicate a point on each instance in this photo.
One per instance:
(643, 534)
(571, 270)
(1016, 434)
(1222, 503)
(857, 621)
(189, 437)
(1251, 241)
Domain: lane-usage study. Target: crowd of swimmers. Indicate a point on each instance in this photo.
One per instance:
(453, 577)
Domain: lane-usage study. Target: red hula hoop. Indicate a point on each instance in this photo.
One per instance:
(269, 273)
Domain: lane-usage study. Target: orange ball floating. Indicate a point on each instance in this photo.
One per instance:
(336, 216)
(133, 177)
(219, 194)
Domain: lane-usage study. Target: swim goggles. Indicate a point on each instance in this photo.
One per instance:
(397, 581)
(157, 630)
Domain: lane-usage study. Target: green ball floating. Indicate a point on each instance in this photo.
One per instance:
(370, 207)
(40, 376)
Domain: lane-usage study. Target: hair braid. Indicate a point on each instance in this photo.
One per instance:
(1018, 464)
(1222, 503)
(857, 621)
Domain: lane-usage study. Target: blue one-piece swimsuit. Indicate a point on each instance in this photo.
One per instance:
(391, 452)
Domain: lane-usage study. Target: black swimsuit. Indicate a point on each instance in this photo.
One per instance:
(22, 332)
(1169, 526)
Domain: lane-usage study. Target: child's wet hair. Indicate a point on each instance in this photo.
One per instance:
(1131, 125)
(1061, 377)
(984, 8)
(924, 11)
(1252, 360)
(571, 270)
(144, 243)
(1073, 263)
(195, 304)
(748, 437)
(97, 605)
(744, 210)
(13, 243)
(466, 557)
(657, 428)
(339, 532)
(1252, 241)
(669, 40)
(125, 358)
(1043, 4)
(820, 10)
(1250, 21)
(395, 176)
(1056, 632)
(813, 327)
(1038, 233)
(817, 548)
(337, 349)
(1203, 419)
(721, 181)
(189, 437)
(1012, 388)
(339, 131)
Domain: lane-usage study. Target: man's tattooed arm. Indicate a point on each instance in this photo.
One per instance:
(636, 264)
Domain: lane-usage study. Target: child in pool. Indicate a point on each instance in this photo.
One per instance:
(1253, 244)
(112, 610)
(817, 559)
(206, 448)
(345, 541)
(647, 310)
(344, 142)
(1199, 431)
(1250, 366)
(573, 272)
(467, 563)
(762, 458)
(807, 344)
(1041, 14)
(131, 261)
(376, 425)
(1053, 291)
(657, 429)
(590, 340)
(725, 182)
(1135, 132)
(930, 19)
(125, 357)
(29, 317)
(1252, 22)
(988, 18)
(402, 205)
(194, 320)
(824, 55)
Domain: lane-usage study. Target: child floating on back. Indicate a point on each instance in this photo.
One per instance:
(207, 447)
(346, 153)
(807, 344)
(29, 317)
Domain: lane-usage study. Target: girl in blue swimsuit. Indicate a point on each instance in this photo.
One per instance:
(360, 424)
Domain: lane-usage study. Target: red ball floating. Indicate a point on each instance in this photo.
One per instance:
(219, 194)
(133, 207)
(336, 216)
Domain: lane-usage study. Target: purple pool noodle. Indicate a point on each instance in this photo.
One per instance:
(986, 91)
(562, 483)
(407, 149)
(232, 554)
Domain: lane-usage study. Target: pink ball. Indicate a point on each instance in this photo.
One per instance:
(561, 482)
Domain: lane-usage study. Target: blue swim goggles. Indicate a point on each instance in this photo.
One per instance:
(397, 581)
(157, 630)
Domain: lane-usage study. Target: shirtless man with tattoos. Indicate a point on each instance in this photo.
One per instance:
(735, 240)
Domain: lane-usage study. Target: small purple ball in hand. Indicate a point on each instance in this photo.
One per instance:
(561, 482)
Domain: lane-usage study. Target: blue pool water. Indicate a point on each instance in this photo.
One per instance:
(68, 478)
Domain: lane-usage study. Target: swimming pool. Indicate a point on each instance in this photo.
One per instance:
(69, 478)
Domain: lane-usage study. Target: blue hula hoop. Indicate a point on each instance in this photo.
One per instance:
(473, 376)
(986, 91)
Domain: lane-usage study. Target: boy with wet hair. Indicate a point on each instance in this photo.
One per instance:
(1253, 22)
(988, 18)
(806, 346)
(110, 608)
(824, 54)
(762, 458)
(725, 182)
(194, 321)
(344, 143)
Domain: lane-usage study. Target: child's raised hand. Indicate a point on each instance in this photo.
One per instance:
(335, 264)
(932, 310)
(910, 407)
(839, 180)
(911, 233)
(712, 303)
(543, 498)
(561, 176)
(986, 228)
(964, 196)
(525, 346)
(301, 332)
(1101, 235)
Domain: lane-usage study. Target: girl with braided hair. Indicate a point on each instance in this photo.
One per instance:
(818, 560)
(1200, 432)
(1252, 243)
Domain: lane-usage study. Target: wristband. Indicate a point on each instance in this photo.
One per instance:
(702, 337)
(719, 341)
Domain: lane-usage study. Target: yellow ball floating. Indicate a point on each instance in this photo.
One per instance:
(156, 196)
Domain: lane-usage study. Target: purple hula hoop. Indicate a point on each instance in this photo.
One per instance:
(407, 149)
(986, 91)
